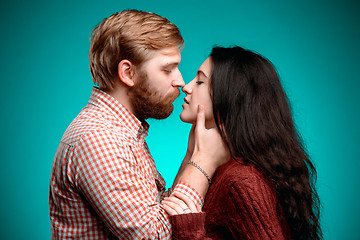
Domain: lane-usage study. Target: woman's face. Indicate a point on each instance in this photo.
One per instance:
(198, 92)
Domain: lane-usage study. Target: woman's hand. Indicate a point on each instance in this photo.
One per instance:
(179, 203)
(210, 150)
(191, 141)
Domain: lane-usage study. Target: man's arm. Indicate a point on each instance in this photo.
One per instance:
(126, 199)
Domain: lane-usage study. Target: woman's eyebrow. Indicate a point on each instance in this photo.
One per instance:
(199, 72)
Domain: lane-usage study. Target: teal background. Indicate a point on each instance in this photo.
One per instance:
(46, 81)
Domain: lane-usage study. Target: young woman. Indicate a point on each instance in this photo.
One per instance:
(266, 191)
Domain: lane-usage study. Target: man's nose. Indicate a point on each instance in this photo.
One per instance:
(178, 81)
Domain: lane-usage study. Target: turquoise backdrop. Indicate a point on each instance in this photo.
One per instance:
(46, 81)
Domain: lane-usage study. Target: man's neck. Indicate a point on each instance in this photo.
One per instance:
(122, 96)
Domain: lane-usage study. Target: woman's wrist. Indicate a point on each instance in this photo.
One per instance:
(205, 162)
(201, 170)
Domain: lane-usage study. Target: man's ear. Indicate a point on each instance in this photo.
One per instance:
(126, 72)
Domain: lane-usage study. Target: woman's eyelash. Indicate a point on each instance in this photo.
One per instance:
(199, 82)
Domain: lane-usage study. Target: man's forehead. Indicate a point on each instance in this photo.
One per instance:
(174, 51)
(164, 57)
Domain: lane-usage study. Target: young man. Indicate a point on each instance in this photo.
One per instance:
(104, 183)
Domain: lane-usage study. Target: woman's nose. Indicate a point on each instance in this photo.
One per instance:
(186, 89)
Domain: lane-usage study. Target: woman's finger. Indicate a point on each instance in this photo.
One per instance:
(177, 201)
(168, 209)
(189, 203)
(200, 118)
(180, 209)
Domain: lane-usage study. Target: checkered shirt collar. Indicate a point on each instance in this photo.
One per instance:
(101, 99)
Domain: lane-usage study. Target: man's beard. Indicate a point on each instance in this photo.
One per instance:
(148, 103)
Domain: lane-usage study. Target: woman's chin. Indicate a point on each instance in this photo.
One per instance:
(186, 119)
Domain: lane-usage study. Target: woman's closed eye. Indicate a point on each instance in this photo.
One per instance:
(199, 82)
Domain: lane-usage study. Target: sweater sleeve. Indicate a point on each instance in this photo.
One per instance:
(245, 209)
(188, 226)
(252, 210)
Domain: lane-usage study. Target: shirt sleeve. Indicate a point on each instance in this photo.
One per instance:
(108, 175)
(189, 191)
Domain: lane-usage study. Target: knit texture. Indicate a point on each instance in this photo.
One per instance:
(240, 204)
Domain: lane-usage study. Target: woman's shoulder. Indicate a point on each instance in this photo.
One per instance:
(243, 181)
(237, 170)
(237, 174)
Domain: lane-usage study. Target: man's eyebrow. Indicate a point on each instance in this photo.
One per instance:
(171, 64)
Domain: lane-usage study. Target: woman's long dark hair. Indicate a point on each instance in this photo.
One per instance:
(253, 114)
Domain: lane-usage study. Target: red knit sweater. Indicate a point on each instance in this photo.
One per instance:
(239, 204)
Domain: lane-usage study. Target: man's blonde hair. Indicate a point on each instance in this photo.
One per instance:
(129, 34)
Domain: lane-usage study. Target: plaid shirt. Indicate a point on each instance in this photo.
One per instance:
(104, 182)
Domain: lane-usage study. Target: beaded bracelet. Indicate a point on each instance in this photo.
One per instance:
(201, 170)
